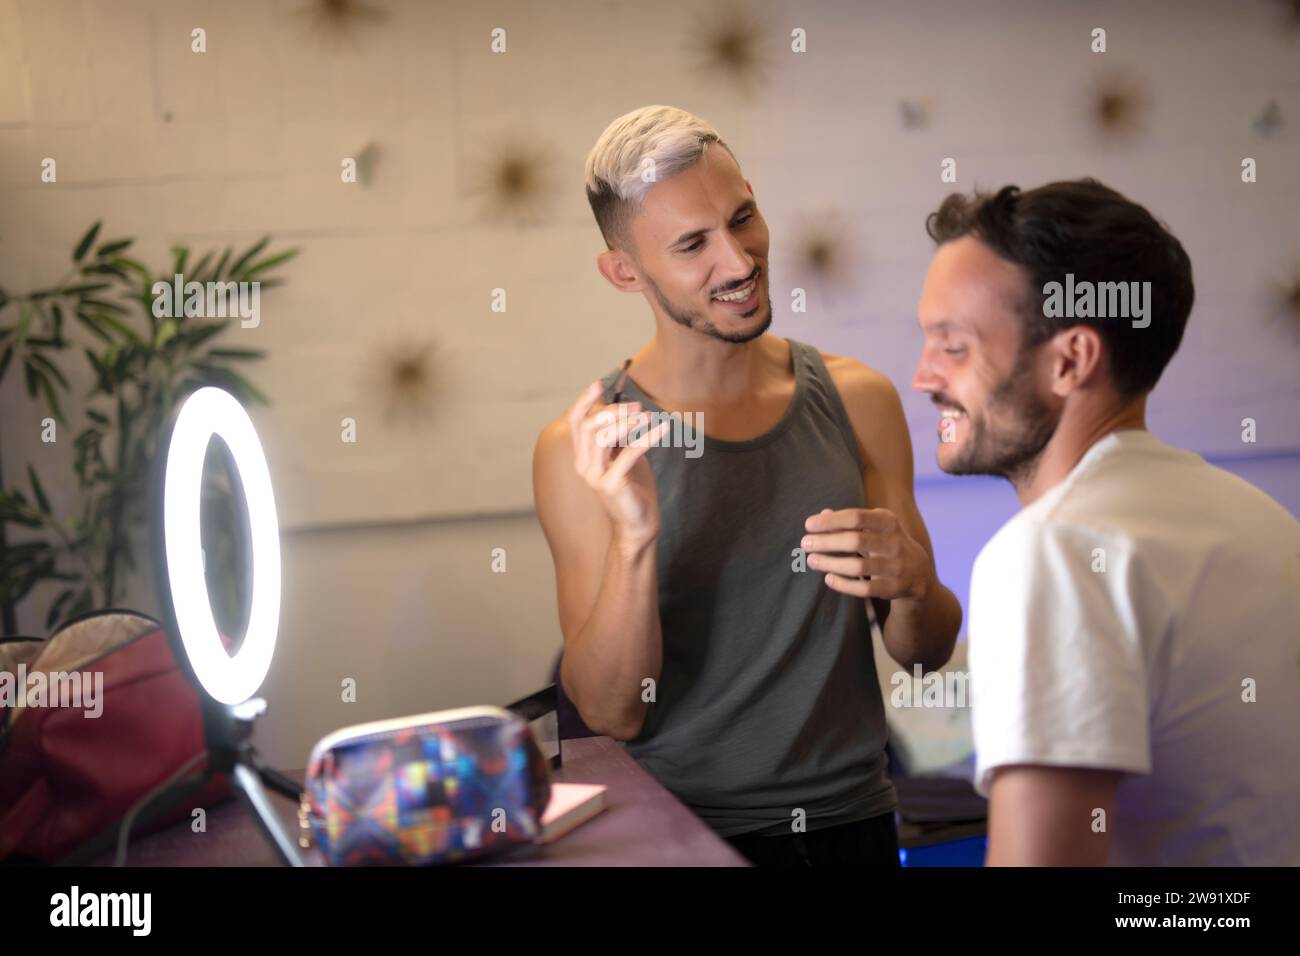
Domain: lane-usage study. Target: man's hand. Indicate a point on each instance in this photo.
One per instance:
(869, 542)
(613, 466)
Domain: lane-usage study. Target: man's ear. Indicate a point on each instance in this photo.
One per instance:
(1078, 359)
(616, 267)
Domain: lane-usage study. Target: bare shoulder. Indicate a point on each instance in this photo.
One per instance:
(875, 412)
(864, 391)
(553, 464)
(563, 501)
(554, 440)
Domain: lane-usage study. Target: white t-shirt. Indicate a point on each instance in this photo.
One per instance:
(1144, 616)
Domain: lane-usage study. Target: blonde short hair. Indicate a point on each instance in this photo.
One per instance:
(638, 149)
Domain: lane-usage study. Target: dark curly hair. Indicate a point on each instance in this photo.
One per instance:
(1087, 229)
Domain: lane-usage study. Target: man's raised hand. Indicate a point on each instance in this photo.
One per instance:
(613, 465)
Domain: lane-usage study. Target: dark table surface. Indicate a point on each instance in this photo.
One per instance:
(642, 825)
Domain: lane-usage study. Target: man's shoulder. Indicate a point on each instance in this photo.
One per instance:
(557, 434)
(1046, 536)
(1094, 504)
(869, 397)
(554, 435)
(553, 450)
(855, 378)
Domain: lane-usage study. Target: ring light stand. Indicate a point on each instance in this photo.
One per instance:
(226, 684)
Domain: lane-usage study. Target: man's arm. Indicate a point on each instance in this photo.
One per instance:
(606, 584)
(1050, 816)
(923, 617)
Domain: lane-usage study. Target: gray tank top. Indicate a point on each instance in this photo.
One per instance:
(768, 702)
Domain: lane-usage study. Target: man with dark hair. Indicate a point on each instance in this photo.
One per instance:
(1133, 630)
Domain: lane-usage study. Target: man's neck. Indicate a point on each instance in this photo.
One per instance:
(1071, 441)
(686, 368)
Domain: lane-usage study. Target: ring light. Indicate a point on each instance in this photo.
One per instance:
(225, 683)
(207, 412)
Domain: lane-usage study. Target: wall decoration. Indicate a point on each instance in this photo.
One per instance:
(916, 113)
(1287, 299)
(1267, 121)
(516, 181)
(1118, 104)
(403, 378)
(1290, 14)
(824, 262)
(367, 160)
(731, 42)
(336, 24)
(820, 251)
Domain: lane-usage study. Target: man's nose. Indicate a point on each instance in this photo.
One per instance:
(925, 379)
(736, 261)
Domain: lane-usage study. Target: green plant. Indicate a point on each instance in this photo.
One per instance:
(143, 365)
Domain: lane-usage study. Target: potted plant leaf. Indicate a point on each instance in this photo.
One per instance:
(143, 362)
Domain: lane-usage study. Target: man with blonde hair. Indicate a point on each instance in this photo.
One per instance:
(691, 631)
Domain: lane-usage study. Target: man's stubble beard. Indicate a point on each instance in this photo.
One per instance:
(698, 323)
(1016, 457)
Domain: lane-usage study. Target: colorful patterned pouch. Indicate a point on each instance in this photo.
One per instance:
(435, 788)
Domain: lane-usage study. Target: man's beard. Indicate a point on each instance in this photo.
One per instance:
(1011, 456)
(697, 322)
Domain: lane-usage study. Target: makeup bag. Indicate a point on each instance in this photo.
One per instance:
(442, 787)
